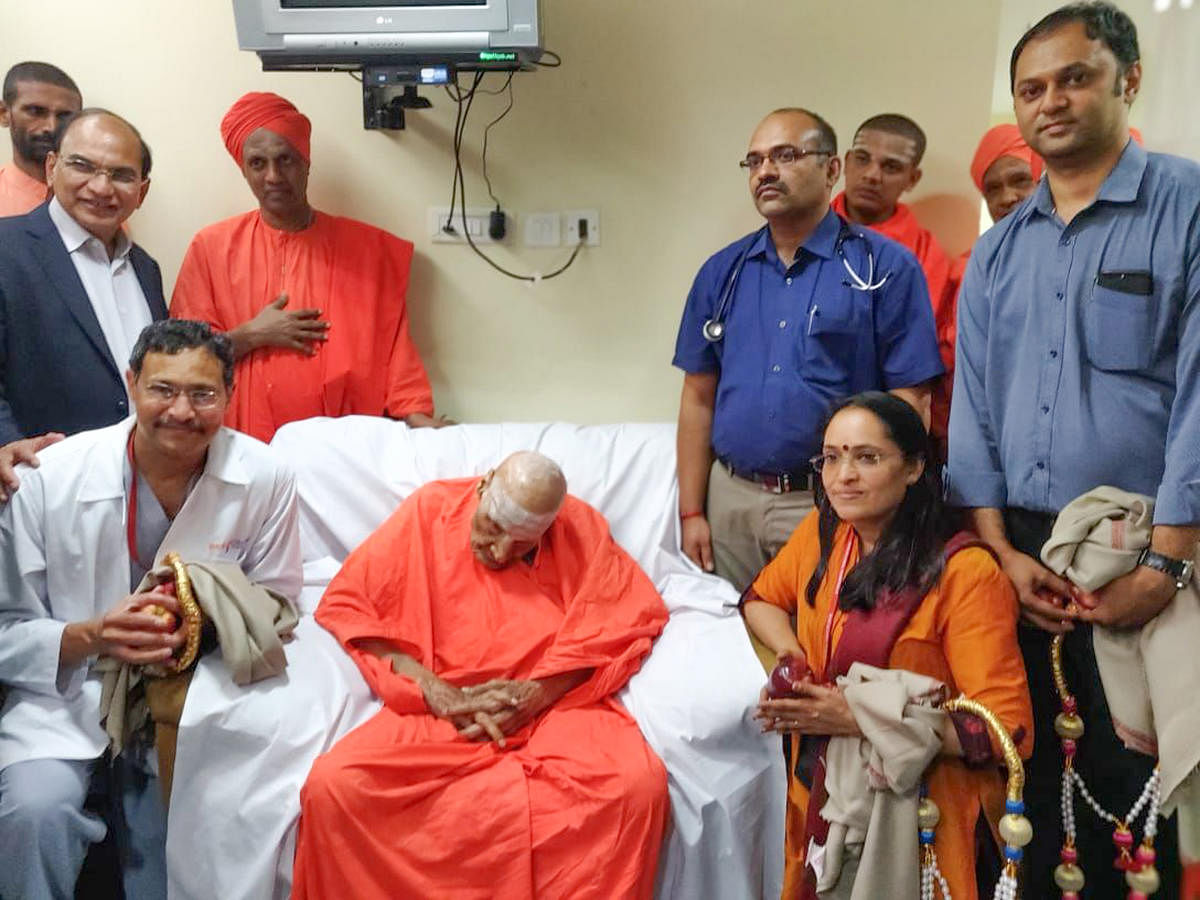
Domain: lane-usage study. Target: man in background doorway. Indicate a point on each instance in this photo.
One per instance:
(882, 164)
(37, 100)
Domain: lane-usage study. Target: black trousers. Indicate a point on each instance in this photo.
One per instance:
(1114, 775)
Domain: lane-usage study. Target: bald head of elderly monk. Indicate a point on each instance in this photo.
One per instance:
(517, 502)
(269, 140)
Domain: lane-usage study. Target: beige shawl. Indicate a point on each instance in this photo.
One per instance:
(251, 623)
(873, 784)
(1151, 674)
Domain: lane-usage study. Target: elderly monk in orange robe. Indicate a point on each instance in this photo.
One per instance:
(314, 303)
(883, 163)
(496, 618)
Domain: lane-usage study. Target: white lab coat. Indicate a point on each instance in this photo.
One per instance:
(64, 558)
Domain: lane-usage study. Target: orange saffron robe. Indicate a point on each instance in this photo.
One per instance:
(943, 278)
(19, 193)
(964, 634)
(403, 806)
(357, 275)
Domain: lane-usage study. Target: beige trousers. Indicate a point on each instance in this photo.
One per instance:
(749, 525)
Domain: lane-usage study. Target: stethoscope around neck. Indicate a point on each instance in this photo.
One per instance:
(714, 329)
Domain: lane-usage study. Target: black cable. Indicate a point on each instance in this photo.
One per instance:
(460, 130)
(458, 97)
(464, 102)
(549, 65)
(507, 110)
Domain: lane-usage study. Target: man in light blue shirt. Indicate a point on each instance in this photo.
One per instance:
(1078, 360)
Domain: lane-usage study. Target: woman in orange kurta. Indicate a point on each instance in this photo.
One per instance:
(876, 539)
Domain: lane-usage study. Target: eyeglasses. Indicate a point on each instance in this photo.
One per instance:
(200, 398)
(859, 459)
(783, 155)
(86, 170)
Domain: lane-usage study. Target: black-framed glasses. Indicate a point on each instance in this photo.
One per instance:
(783, 155)
(85, 169)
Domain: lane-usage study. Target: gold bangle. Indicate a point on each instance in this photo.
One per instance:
(1012, 759)
(191, 620)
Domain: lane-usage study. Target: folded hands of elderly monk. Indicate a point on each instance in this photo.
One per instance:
(520, 702)
(491, 710)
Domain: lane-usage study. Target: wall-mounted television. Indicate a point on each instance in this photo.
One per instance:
(308, 34)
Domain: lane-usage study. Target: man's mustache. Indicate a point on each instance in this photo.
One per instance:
(179, 426)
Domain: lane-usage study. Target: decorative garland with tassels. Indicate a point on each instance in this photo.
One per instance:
(1138, 866)
(1015, 829)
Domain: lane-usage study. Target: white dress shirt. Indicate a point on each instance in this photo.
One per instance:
(111, 284)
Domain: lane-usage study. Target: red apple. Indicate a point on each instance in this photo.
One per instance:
(787, 672)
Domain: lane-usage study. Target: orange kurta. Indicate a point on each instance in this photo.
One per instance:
(403, 806)
(942, 278)
(357, 275)
(964, 634)
(18, 192)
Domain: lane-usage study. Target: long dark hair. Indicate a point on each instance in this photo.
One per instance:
(909, 552)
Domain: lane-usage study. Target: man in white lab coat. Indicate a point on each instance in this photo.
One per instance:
(103, 507)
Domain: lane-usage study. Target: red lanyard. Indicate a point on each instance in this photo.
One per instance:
(851, 543)
(131, 513)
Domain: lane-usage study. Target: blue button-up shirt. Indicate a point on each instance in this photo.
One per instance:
(799, 338)
(1078, 360)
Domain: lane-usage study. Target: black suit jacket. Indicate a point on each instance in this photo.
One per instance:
(56, 371)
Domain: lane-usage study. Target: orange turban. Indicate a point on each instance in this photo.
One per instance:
(1002, 140)
(264, 110)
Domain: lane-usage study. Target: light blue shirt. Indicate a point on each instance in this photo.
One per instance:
(1078, 359)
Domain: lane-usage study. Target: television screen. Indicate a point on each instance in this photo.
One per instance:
(374, 4)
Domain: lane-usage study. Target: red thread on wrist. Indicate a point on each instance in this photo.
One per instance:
(690, 515)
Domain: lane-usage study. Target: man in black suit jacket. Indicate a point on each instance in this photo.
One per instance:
(68, 303)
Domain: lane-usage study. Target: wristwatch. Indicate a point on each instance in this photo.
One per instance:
(1179, 569)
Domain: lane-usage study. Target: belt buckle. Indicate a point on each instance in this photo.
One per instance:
(775, 484)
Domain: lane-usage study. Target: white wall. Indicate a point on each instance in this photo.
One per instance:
(645, 120)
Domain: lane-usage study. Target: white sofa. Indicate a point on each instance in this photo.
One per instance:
(243, 753)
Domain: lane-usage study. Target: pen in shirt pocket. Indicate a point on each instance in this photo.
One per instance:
(812, 314)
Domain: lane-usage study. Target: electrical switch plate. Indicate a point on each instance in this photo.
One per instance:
(477, 224)
(571, 226)
(543, 230)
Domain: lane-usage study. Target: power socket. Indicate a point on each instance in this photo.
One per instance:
(478, 222)
(571, 220)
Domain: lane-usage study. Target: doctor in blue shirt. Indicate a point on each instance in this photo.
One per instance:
(778, 326)
(1078, 365)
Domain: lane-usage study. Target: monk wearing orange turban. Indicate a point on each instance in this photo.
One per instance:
(1004, 169)
(314, 303)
